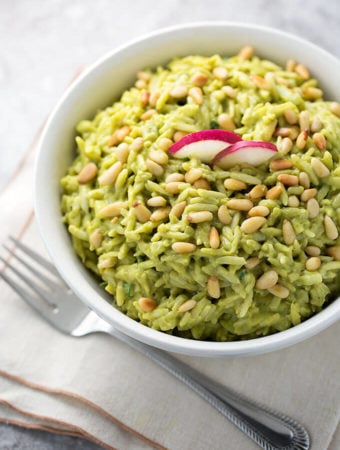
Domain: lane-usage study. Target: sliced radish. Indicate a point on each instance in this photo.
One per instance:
(203, 145)
(252, 153)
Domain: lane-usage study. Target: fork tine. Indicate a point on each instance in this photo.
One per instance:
(51, 284)
(40, 291)
(38, 258)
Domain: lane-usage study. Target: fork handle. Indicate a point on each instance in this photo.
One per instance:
(271, 430)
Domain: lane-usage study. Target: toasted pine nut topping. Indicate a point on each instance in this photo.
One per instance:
(200, 216)
(137, 144)
(107, 262)
(312, 250)
(226, 122)
(308, 194)
(159, 157)
(110, 175)
(160, 214)
(112, 209)
(119, 135)
(154, 96)
(96, 238)
(193, 175)
(220, 72)
(330, 228)
(175, 187)
(283, 132)
(302, 71)
(156, 201)
(179, 92)
(153, 167)
(252, 262)
(141, 75)
(258, 191)
(214, 238)
(274, 192)
(144, 97)
(288, 232)
(259, 210)
(267, 280)
(201, 183)
(224, 215)
(183, 247)
(293, 201)
(290, 65)
(280, 164)
(335, 108)
(320, 141)
(140, 84)
(214, 289)
(196, 94)
(279, 291)
(252, 224)
(304, 180)
(177, 210)
(122, 152)
(199, 79)
(290, 116)
(313, 263)
(260, 82)
(87, 173)
(313, 208)
(148, 114)
(334, 252)
(246, 52)
(187, 306)
(229, 91)
(288, 180)
(294, 132)
(316, 125)
(319, 168)
(142, 213)
(174, 177)
(311, 93)
(178, 135)
(240, 204)
(302, 139)
(234, 185)
(164, 143)
(147, 304)
(304, 120)
(286, 145)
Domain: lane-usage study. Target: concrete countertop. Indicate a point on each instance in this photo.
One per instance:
(44, 43)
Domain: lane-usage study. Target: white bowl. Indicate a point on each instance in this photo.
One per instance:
(95, 89)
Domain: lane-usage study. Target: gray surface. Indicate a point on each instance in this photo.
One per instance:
(43, 43)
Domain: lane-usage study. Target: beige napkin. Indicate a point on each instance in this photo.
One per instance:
(98, 388)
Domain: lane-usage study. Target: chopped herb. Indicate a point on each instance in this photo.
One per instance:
(214, 125)
(128, 289)
(242, 274)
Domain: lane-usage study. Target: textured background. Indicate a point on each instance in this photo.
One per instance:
(42, 43)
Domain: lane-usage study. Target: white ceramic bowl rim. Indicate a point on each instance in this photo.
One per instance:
(74, 274)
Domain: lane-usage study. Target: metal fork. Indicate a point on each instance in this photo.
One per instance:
(56, 303)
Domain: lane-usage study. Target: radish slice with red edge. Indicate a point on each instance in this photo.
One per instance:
(204, 145)
(253, 153)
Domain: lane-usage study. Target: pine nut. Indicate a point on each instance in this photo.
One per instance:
(280, 164)
(199, 79)
(196, 94)
(240, 204)
(290, 65)
(253, 224)
(304, 120)
(224, 215)
(282, 131)
(159, 157)
(290, 116)
(187, 306)
(259, 81)
(87, 173)
(313, 208)
(226, 122)
(313, 263)
(154, 96)
(288, 232)
(137, 144)
(175, 187)
(294, 132)
(259, 210)
(200, 216)
(267, 280)
(96, 238)
(141, 75)
(156, 201)
(229, 91)
(304, 180)
(110, 175)
(147, 304)
(274, 193)
(302, 71)
(330, 228)
(220, 73)
(122, 152)
(307, 194)
(160, 214)
(319, 168)
(335, 108)
(183, 247)
(279, 291)
(193, 175)
(286, 145)
(179, 92)
(293, 201)
(112, 209)
(174, 177)
(122, 133)
(178, 208)
(288, 180)
(312, 250)
(201, 183)
(164, 143)
(140, 84)
(302, 139)
(234, 185)
(316, 125)
(213, 288)
(144, 97)
(246, 53)
(142, 213)
(258, 191)
(214, 238)
(148, 114)
(311, 93)
(178, 135)
(107, 262)
(320, 141)
(334, 252)
(252, 262)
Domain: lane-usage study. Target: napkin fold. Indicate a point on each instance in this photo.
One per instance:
(98, 388)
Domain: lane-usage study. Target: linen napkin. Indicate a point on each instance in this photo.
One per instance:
(98, 388)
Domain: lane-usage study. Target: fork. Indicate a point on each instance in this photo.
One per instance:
(56, 303)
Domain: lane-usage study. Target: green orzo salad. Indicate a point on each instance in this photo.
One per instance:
(189, 247)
